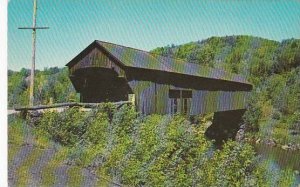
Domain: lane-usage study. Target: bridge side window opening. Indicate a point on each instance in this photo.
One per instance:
(180, 101)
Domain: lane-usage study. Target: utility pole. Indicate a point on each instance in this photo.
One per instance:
(33, 28)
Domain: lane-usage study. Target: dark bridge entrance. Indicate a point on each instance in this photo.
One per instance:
(100, 85)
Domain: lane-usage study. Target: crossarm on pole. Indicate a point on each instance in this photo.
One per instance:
(33, 28)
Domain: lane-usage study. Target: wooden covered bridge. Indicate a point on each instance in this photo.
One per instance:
(109, 72)
(157, 84)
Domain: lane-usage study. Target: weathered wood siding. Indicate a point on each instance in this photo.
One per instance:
(96, 58)
(153, 97)
(216, 101)
(144, 95)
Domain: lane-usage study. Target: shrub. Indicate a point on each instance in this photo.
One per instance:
(228, 166)
(276, 115)
(66, 127)
(154, 150)
(96, 130)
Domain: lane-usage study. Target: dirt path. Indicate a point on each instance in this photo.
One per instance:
(89, 180)
(61, 176)
(35, 171)
(19, 158)
(17, 162)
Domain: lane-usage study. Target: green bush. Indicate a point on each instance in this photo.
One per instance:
(154, 150)
(253, 114)
(66, 127)
(228, 166)
(95, 132)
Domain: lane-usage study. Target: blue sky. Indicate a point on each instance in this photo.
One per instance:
(146, 24)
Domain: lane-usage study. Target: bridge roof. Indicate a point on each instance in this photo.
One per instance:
(136, 58)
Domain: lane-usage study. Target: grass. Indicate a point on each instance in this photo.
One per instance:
(40, 140)
(16, 141)
(23, 172)
(12, 151)
(75, 176)
(48, 172)
(15, 138)
(103, 180)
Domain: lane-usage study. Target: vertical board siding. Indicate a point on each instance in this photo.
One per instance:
(96, 58)
(162, 95)
(215, 101)
(145, 95)
(202, 101)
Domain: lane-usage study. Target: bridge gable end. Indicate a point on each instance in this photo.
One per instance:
(94, 56)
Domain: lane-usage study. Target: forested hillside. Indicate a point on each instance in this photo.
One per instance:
(272, 67)
(253, 57)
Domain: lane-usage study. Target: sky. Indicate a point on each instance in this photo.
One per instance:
(142, 24)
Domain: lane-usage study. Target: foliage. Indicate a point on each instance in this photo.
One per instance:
(96, 128)
(156, 150)
(286, 178)
(17, 88)
(66, 127)
(253, 114)
(229, 166)
(51, 85)
(272, 67)
(276, 101)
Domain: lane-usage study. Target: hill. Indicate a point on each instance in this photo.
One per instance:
(272, 67)
(251, 56)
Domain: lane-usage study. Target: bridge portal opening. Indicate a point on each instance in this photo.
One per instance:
(97, 85)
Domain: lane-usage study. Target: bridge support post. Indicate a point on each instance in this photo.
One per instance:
(225, 125)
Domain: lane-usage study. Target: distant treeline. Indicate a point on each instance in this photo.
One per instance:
(52, 85)
(251, 56)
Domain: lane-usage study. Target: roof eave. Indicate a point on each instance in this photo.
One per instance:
(79, 56)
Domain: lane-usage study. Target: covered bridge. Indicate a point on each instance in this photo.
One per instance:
(110, 72)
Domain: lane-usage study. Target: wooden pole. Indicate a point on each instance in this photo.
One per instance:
(33, 28)
(31, 97)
